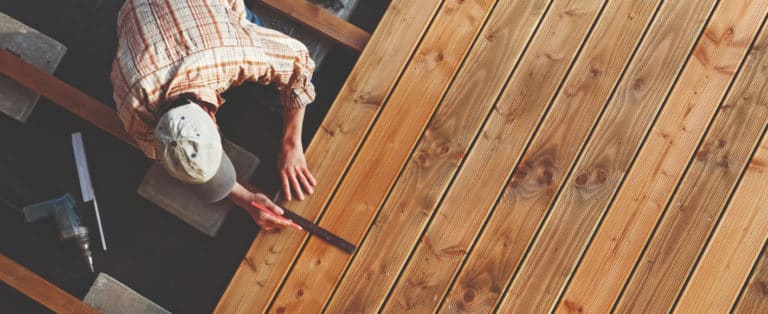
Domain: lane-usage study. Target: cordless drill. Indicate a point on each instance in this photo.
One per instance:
(63, 210)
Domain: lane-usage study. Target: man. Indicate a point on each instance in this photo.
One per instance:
(173, 61)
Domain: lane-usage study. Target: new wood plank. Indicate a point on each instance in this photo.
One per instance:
(480, 283)
(437, 157)
(63, 94)
(661, 162)
(326, 23)
(332, 148)
(754, 298)
(39, 289)
(435, 260)
(606, 157)
(384, 152)
(735, 246)
(703, 192)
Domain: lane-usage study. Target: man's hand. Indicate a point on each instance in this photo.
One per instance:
(295, 176)
(243, 198)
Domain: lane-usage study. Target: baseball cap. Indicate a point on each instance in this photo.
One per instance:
(188, 146)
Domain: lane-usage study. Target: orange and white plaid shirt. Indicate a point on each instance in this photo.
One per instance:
(199, 48)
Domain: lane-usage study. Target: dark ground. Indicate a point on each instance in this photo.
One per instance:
(150, 250)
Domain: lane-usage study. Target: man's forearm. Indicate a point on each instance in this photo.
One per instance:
(293, 119)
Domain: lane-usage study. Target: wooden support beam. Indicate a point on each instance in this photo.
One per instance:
(327, 24)
(39, 289)
(63, 94)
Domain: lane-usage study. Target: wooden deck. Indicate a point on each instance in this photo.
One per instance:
(536, 156)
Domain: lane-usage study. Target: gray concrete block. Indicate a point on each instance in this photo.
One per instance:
(34, 48)
(110, 296)
(164, 191)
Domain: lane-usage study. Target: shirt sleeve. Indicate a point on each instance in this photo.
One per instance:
(287, 65)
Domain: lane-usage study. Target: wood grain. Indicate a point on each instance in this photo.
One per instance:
(660, 163)
(383, 155)
(63, 94)
(606, 53)
(433, 264)
(326, 23)
(437, 156)
(735, 246)
(754, 298)
(606, 157)
(703, 192)
(332, 148)
(39, 289)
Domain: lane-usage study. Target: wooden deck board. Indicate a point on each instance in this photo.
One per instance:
(528, 169)
(661, 163)
(482, 177)
(332, 149)
(606, 157)
(481, 281)
(436, 158)
(384, 152)
(735, 245)
(698, 203)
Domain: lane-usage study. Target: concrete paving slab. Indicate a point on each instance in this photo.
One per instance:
(163, 190)
(110, 296)
(33, 47)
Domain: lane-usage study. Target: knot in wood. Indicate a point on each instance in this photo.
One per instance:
(469, 296)
(582, 179)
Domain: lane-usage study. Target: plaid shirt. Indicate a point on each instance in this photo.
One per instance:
(199, 48)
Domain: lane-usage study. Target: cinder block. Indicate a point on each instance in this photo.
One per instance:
(34, 48)
(110, 296)
(163, 190)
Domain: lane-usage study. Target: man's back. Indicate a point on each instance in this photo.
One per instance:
(196, 48)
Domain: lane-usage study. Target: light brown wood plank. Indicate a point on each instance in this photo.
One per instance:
(437, 157)
(482, 280)
(63, 94)
(662, 160)
(606, 157)
(384, 153)
(736, 244)
(331, 150)
(428, 275)
(754, 298)
(703, 192)
(39, 289)
(327, 24)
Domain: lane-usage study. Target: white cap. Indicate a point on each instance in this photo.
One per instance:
(188, 145)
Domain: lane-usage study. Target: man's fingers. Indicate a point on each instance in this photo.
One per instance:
(273, 207)
(286, 186)
(305, 182)
(296, 187)
(309, 176)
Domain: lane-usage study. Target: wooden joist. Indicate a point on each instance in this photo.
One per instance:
(356, 107)
(63, 94)
(39, 289)
(661, 162)
(327, 24)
